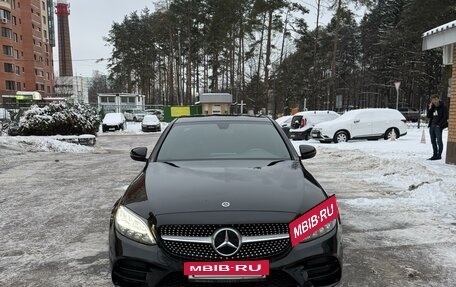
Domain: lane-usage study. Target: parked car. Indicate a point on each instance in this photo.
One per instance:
(410, 114)
(134, 115)
(217, 189)
(113, 122)
(303, 122)
(362, 124)
(159, 113)
(285, 123)
(150, 123)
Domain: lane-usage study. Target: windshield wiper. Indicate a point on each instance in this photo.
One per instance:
(171, 164)
(274, 162)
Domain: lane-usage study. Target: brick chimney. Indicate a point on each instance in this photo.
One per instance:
(62, 9)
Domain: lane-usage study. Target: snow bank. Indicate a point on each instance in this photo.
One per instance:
(39, 144)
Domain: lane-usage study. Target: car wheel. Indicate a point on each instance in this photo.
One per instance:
(389, 133)
(341, 137)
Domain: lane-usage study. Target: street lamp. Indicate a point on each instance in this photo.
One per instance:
(397, 84)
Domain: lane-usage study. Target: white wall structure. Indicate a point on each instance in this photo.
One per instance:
(76, 88)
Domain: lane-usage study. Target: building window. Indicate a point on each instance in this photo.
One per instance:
(41, 87)
(43, 5)
(15, 37)
(104, 99)
(131, 99)
(9, 68)
(45, 33)
(48, 89)
(18, 71)
(14, 20)
(10, 85)
(7, 50)
(111, 99)
(16, 54)
(18, 85)
(4, 14)
(44, 20)
(124, 100)
(7, 33)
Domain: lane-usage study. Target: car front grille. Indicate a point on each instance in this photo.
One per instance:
(204, 251)
(275, 279)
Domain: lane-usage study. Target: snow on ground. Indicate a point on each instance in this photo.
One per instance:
(16, 144)
(401, 164)
(39, 144)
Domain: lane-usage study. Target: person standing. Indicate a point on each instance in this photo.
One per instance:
(438, 120)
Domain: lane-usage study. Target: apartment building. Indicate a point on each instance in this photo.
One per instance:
(26, 42)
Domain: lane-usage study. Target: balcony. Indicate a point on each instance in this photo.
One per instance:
(5, 5)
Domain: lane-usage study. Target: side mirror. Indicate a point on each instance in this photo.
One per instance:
(307, 151)
(139, 154)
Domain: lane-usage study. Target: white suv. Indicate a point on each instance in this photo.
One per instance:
(362, 124)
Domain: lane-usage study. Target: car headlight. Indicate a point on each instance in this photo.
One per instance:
(322, 231)
(133, 226)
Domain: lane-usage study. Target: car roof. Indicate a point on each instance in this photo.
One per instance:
(226, 118)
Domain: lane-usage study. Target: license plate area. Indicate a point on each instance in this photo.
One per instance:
(225, 279)
(227, 271)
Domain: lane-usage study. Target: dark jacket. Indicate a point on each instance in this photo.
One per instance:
(442, 115)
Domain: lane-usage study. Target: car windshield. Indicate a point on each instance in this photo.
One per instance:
(113, 117)
(150, 118)
(223, 140)
(348, 115)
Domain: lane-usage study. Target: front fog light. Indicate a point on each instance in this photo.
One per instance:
(322, 231)
(133, 226)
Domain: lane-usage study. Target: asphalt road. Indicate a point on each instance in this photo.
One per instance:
(54, 215)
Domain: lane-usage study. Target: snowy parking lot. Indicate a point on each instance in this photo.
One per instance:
(398, 209)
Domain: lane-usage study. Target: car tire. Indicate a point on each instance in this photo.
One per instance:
(389, 132)
(341, 136)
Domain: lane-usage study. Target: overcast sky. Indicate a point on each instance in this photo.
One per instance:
(91, 20)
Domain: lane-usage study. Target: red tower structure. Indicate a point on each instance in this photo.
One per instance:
(62, 9)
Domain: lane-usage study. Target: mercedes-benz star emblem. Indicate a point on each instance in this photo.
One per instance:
(226, 241)
(226, 204)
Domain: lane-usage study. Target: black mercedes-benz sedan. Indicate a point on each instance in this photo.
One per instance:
(213, 205)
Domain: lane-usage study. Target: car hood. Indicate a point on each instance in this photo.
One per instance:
(194, 192)
(151, 122)
(112, 121)
(326, 125)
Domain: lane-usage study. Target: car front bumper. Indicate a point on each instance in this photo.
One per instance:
(111, 127)
(150, 128)
(317, 135)
(314, 263)
(301, 135)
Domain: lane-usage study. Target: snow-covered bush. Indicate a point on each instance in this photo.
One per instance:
(60, 119)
